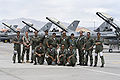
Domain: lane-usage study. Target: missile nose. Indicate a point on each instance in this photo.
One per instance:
(47, 18)
(3, 23)
(97, 13)
(23, 21)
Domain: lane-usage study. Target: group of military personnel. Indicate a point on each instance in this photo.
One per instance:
(62, 51)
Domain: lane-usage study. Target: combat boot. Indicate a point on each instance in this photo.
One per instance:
(96, 59)
(35, 63)
(102, 61)
(102, 65)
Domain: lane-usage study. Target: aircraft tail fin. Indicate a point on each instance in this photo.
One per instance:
(73, 25)
(25, 29)
(46, 27)
(103, 27)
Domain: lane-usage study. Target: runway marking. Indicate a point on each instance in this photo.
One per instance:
(116, 62)
(63, 67)
(98, 71)
(85, 68)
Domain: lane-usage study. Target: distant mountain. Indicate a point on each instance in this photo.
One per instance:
(37, 24)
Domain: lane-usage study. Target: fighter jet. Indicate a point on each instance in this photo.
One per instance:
(41, 31)
(104, 27)
(9, 35)
(70, 29)
(45, 27)
(4, 36)
(110, 20)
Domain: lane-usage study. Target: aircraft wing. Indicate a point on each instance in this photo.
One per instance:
(30, 25)
(57, 23)
(9, 27)
(109, 20)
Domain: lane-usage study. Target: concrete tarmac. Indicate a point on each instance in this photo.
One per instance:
(28, 71)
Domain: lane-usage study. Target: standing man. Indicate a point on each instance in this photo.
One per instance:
(62, 55)
(51, 55)
(17, 47)
(80, 46)
(89, 43)
(72, 41)
(64, 40)
(39, 54)
(54, 41)
(45, 40)
(26, 49)
(99, 49)
(71, 56)
(34, 42)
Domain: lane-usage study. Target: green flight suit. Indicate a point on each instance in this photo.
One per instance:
(89, 43)
(17, 49)
(62, 59)
(80, 42)
(53, 53)
(71, 61)
(72, 42)
(53, 41)
(35, 40)
(45, 40)
(99, 49)
(64, 41)
(25, 48)
(39, 50)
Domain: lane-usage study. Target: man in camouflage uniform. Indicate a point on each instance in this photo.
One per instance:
(71, 56)
(99, 49)
(35, 40)
(51, 55)
(39, 54)
(62, 55)
(80, 46)
(26, 45)
(17, 47)
(72, 41)
(64, 40)
(54, 41)
(89, 43)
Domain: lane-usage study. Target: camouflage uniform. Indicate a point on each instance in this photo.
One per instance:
(25, 48)
(72, 61)
(17, 49)
(80, 44)
(62, 59)
(39, 50)
(35, 40)
(64, 41)
(99, 49)
(89, 48)
(52, 54)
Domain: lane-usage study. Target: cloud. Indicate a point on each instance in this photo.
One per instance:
(63, 10)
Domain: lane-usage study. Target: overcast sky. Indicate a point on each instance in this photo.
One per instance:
(63, 10)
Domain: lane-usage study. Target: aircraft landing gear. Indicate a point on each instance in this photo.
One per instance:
(110, 50)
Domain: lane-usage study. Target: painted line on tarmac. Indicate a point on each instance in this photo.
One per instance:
(109, 73)
(115, 62)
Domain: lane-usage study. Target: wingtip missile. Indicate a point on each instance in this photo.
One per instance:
(57, 23)
(9, 26)
(28, 24)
